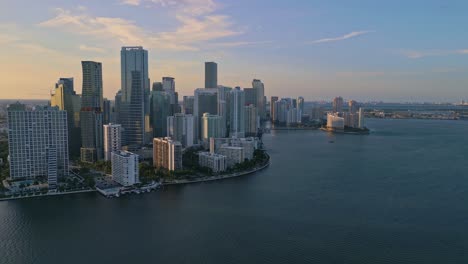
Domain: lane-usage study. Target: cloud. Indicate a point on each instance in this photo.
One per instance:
(240, 43)
(344, 37)
(92, 49)
(190, 34)
(191, 7)
(418, 54)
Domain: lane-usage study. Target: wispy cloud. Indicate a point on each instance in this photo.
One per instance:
(418, 54)
(240, 43)
(92, 49)
(344, 37)
(130, 2)
(192, 32)
(192, 7)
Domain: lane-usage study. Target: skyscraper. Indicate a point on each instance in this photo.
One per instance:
(38, 143)
(250, 96)
(223, 107)
(273, 100)
(112, 140)
(157, 86)
(135, 85)
(237, 113)
(338, 105)
(353, 106)
(211, 75)
(206, 101)
(106, 111)
(65, 98)
(188, 105)
(251, 120)
(168, 84)
(91, 112)
(181, 127)
(160, 109)
(211, 127)
(300, 108)
(117, 107)
(260, 93)
(361, 118)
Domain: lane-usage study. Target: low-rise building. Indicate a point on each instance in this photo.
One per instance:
(125, 168)
(234, 155)
(216, 162)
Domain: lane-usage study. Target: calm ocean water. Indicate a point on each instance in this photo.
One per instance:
(399, 195)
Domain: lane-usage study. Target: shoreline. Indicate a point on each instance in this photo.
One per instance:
(181, 182)
(222, 177)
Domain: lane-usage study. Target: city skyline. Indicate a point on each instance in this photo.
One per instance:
(417, 52)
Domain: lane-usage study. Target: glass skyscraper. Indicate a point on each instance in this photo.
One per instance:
(135, 89)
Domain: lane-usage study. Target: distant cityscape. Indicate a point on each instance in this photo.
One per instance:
(146, 136)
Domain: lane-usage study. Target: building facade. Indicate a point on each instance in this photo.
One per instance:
(160, 108)
(216, 162)
(112, 140)
(211, 127)
(135, 87)
(91, 116)
(251, 120)
(338, 104)
(167, 154)
(38, 143)
(181, 127)
(237, 114)
(211, 75)
(125, 169)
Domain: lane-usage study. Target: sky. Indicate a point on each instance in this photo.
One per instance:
(366, 50)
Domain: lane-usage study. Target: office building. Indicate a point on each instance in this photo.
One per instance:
(107, 111)
(112, 139)
(237, 113)
(181, 127)
(205, 101)
(300, 109)
(187, 105)
(211, 127)
(250, 96)
(38, 143)
(117, 107)
(292, 116)
(223, 107)
(211, 75)
(251, 120)
(338, 105)
(135, 85)
(168, 84)
(66, 99)
(273, 101)
(91, 116)
(167, 154)
(125, 169)
(216, 162)
(259, 87)
(158, 86)
(160, 109)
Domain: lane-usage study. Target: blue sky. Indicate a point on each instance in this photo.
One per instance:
(364, 50)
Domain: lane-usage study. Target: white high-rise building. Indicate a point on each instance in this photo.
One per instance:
(335, 122)
(125, 168)
(216, 162)
(251, 120)
(361, 118)
(112, 140)
(38, 143)
(181, 127)
(237, 113)
(300, 108)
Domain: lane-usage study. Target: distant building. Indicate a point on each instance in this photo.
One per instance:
(250, 96)
(249, 145)
(217, 163)
(353, 107)
(168, 84)
(273, 101)
(260, 94)
(157, 86)
(112, 140)
(251, 120)
(107, 111)
(205, 101)
(211, 75)
(91, 115)
(167, 154)
(224, 98)
(237, 114)
(335, 122)
(361, 118)
(65, 98)
(160, 108)
(351, 119)
(187, 107)
(292, 116)
(38, 143)
(211, 126)
(300, 108)
(338, 105)
(181, 127)
(117, 107)
(125, 169)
